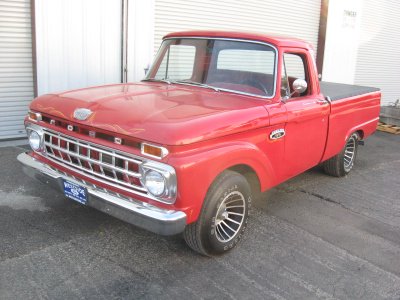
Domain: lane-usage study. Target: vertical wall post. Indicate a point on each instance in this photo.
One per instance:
(323, 20)
(124, 41)
(33, 38)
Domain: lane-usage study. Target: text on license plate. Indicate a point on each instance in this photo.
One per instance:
(75, 192)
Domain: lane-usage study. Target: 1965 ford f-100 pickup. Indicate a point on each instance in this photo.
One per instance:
(219, 117)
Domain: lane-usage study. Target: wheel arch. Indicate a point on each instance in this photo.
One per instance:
(360, 133)
(251, 176)
(242, 157)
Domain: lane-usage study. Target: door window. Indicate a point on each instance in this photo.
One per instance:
(294, 67)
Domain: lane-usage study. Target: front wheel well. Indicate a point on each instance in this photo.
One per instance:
(360, 134)
(251, 177)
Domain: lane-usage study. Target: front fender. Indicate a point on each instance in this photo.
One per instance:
(197, 168)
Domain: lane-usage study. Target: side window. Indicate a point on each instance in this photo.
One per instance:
(295, 68)
(285, 88)
(178, 63)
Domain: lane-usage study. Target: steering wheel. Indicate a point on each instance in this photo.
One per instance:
(257, 84)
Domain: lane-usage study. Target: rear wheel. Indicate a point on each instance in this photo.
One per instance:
(341, 164)
(223, 218)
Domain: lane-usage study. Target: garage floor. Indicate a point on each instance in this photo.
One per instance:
(313, 237)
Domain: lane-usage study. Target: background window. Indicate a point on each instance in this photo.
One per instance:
(180, 61)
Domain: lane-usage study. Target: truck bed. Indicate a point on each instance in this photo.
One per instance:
(337, 91)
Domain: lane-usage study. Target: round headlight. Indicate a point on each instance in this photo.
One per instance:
(154, 182)
(34, 140)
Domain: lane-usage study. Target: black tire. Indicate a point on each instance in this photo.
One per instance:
(341, 164)
(228, 197)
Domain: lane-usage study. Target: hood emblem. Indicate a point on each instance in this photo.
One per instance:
(82, 113)
(277, 134)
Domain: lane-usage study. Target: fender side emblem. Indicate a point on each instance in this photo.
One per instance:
(277, 134)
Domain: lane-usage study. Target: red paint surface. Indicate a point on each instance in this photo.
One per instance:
(207, 132)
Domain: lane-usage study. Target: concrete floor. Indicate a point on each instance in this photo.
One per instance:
(314, 237)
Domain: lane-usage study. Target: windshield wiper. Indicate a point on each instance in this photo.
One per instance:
(188, 82)
(157, 80)
(196, 84)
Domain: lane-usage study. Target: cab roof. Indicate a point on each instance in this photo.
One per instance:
(278, 41)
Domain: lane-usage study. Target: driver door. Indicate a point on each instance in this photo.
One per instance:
(307, 115)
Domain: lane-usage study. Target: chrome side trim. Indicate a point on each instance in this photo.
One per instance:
(141, 214)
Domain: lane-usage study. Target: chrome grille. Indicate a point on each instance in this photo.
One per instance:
(100, 163)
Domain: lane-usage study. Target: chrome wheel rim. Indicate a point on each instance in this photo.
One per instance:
(349, 154)
(230, 216)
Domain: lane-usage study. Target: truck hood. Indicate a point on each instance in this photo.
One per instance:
(157, 112)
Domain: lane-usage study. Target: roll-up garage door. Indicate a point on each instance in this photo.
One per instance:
(16, 76)
(78, 43)
(378, 60)
(294, 18)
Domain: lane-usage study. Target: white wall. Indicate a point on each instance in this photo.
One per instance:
(364, 49)
(78, 43)
(378, 59)
(342, 41)
(140, 38)
(294, 18)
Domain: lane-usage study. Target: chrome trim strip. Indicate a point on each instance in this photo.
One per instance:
(130, 190)
(97, 147)
(236, 40)
(87, 173)
(85, 158)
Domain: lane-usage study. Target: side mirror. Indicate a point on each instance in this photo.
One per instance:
(299, 86)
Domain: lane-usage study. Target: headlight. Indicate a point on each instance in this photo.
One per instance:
(160, 181)
(154, 182)
(35, 140)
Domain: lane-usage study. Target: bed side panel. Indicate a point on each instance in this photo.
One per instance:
(349, 115)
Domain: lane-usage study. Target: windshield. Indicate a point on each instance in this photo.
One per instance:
(238, 66)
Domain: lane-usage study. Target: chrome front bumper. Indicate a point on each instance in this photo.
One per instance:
(140, 214)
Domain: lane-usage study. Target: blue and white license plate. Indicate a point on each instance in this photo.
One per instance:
(75, 192)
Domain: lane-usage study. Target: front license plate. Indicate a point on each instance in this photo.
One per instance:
(75, 192)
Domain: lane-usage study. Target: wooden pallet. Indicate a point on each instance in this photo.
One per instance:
(388, 128)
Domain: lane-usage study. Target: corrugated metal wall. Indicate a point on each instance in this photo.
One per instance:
(78, 43)
(140, 38)
(292, 17)
(16, 77)
(378, 60)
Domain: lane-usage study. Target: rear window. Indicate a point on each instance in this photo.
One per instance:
(246, 60)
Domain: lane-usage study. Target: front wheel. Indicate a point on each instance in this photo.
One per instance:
(341, 164)
(223, 217)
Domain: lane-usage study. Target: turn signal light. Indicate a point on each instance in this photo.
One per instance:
(35, 116)
(153, 151)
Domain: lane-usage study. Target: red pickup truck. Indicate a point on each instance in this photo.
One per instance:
(220, 116)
